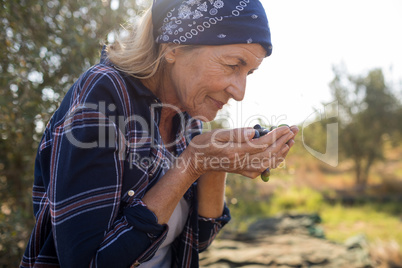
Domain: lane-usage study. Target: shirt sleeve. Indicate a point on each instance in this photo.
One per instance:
(210, 227)
(90, 226)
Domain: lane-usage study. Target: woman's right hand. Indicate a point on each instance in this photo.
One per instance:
(236, 151)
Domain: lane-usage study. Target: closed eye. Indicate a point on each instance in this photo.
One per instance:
(252, 71)
(233, 66)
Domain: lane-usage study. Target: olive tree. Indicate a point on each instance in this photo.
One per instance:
(45, 45)
(367, 111)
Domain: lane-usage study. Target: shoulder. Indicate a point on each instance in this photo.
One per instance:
(104, 85)
(101, 77)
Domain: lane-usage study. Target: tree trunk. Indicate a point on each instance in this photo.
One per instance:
(366, 171)
(359, 179)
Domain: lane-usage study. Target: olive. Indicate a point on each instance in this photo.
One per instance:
(263, 132)
(265, 175)
(259, 131)
(257, 134)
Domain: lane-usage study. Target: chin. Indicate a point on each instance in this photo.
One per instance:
(204, 116)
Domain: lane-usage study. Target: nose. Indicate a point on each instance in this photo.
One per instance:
(237, 88)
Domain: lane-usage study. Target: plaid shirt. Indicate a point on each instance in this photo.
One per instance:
(100, 153)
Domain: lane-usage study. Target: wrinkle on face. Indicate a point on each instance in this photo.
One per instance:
(200, 78)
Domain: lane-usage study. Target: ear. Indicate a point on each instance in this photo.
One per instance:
(171, 54)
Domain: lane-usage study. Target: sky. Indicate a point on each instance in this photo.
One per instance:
(309, 38)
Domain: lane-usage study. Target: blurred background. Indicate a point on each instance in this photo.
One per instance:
(336, 71)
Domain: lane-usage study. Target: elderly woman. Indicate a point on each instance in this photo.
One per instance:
(123, 175)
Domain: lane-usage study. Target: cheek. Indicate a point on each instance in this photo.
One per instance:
(215, 79)
(199, 85)
(193, 85)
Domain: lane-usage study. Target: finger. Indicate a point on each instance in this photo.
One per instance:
(237, 135)
(271, 137)
(280, 131)
(278, 162)
(237, 141)
(294, 129)
(250, 174)
(278, 144)
(274, 159)
(261, 160)
(284, 150)
(291, 143)
(281, 159)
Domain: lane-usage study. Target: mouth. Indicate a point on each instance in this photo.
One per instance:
(217, 103)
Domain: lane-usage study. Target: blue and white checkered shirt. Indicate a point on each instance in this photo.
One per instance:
(100, 153)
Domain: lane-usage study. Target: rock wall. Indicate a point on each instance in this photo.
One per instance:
(285, 241)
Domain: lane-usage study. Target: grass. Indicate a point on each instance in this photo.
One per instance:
(374, 222)
(300, 187)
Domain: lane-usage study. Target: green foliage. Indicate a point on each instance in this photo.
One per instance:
(296, 199)
(248, 202)
(367, 112)
(245, 200)
(314, 135)
(13, 235)
(375, 220)
(46, 45)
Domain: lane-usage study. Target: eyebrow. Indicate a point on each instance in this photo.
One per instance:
(240, 59)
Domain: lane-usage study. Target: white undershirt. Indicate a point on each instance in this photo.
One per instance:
(163, 256)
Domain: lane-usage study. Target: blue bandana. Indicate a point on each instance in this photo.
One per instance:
(211, 22)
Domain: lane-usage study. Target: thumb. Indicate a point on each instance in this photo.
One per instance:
(237, 135)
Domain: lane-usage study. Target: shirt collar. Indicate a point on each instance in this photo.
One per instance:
(135, 83)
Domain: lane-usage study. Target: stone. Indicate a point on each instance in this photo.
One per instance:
(284, 241)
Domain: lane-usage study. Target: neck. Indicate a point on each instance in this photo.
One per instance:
(165, 93)
(162, 87)
(166, 128)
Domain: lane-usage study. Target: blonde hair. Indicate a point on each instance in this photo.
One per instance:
(137, 53)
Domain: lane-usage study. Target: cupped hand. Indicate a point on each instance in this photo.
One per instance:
(236, 151)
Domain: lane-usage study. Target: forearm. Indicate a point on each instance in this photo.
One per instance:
(164, 196)
(129, 243)
(211, 194)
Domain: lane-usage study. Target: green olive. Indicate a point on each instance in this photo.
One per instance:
(265, 175)
(266, 179)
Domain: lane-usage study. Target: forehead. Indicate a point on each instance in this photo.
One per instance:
(254, 52)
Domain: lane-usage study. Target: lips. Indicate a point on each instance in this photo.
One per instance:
(218, 104)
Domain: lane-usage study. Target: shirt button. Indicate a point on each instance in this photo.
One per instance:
(131, 193)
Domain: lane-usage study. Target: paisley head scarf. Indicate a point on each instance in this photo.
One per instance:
(211, 22)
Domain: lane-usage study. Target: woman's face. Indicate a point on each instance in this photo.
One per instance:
(202, 80)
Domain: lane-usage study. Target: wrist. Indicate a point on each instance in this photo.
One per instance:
(212, 180)
(188, 164)
(214, 175)
(211, 194)
(193, 162)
